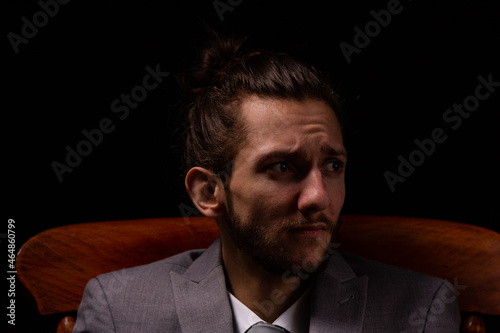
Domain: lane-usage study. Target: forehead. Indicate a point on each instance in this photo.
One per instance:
(272, 122)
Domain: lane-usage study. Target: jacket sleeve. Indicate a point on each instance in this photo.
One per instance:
(94, 315)
(443, 314)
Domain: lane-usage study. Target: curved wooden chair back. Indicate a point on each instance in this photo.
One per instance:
(55, 265)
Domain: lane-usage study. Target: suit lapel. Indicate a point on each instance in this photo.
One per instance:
(200, 294)
(338, 298)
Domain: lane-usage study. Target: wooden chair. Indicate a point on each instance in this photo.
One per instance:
(55, 265)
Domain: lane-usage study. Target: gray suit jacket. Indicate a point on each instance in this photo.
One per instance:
(187, 293)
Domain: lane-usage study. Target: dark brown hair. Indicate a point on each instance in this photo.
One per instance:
(224, 76)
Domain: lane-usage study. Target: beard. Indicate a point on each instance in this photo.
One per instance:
(264, 245)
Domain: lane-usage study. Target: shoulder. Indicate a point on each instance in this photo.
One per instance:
(387, 274)
(121, 300)
(415, 299)
(399, 282)
(150, 275)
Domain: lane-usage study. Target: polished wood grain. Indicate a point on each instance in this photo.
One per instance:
(66, 325)
(473, 324)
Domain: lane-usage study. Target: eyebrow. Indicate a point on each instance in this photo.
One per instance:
(297, 154)
(330, 151)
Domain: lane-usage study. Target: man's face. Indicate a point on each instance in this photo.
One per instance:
(287, 186)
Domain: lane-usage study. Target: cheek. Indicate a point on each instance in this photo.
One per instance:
(337, 196)
(338, 202)
(264, 202)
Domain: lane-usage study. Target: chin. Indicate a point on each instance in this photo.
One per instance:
(309, 258)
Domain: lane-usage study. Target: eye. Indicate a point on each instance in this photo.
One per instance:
(280, 167)
(335, 166)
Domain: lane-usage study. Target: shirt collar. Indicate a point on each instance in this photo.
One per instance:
(294, 319)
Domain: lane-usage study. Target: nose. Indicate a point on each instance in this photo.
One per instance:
(313, 196)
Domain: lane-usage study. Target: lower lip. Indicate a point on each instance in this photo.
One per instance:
(308, 233)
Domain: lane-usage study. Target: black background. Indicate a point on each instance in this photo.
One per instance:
(396, 89)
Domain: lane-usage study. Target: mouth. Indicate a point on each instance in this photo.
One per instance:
(313, 230)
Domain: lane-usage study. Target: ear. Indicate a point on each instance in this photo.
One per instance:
(206, 191)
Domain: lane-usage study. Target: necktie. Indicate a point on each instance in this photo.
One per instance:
(262, 327)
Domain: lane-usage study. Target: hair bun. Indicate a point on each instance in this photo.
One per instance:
(218, 54)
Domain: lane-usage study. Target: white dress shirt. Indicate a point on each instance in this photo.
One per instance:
(295, 319)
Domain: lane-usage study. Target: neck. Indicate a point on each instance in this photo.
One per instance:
(265, 293)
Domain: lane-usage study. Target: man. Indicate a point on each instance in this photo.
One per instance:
(276, 125)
